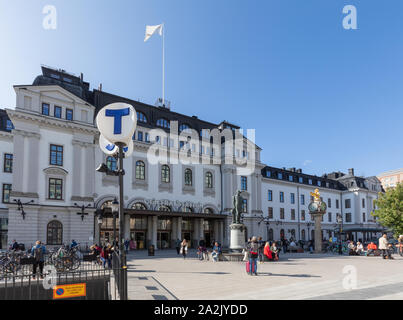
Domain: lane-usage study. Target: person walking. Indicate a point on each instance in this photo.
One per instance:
(178, 246)
(284, 244)
(127, 246)
(261, 249)
(254, 253)
(15, 246)
(400, 245)
(38, 251)
(106, 255)
(383, 246)
(184, 248)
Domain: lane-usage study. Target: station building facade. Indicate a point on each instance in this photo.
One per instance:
(51, 191)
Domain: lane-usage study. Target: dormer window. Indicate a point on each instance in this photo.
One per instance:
(69, 114)
(163, 123)
(45, 109)
(184, 128)
(9, 125)
(141, 117)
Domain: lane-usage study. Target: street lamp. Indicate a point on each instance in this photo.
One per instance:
(21, 206)
(82, 213)
(266, 220)
(99, 215)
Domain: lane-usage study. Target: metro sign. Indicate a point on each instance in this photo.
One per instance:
(117, 123)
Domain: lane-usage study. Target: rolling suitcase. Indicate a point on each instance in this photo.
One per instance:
(248, 268)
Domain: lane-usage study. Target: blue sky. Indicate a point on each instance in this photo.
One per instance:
(320, 97)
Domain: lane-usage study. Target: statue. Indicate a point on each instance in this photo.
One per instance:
(237, 202)
(316, 195)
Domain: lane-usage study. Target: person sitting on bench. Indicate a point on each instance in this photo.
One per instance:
(371, 248)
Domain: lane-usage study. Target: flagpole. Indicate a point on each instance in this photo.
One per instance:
(163, 64)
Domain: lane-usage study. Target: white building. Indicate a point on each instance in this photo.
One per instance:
(53, 144)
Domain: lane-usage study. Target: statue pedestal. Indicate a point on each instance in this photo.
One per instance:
(237, 240)
(318, 232)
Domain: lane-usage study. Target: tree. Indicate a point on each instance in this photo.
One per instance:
(389, 209)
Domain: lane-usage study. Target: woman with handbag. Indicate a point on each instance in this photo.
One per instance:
(184, 248)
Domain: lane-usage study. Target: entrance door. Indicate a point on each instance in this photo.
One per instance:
(163, 240)
(140, 238)
(207, 239)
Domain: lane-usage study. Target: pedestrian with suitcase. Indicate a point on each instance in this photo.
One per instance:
(251, 265)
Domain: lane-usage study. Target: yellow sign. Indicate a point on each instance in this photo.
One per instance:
(70, 291)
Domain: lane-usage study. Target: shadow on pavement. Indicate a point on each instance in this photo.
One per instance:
(287, 275)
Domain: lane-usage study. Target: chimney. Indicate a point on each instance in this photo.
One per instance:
(81, 77)
(100, 87)
(351, 172)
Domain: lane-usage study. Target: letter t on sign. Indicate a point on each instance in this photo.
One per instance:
(117, 114)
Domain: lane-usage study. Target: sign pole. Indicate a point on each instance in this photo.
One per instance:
(122, 253)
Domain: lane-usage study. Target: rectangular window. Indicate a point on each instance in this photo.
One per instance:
(292, 214)
(55, 189)
(303, 215)
(69, 114)
(292, 198)
(6, 193)
(270, 195)
(45, 109)
(363, 203)
(56, 155)
(337, 204)
(329, 203)
(9, 125)
(140, 136)
(268, 174)
(329, 217)
(363, 217)
(270, 213)
(347, 204)
(348, 217)
(244, 206)
(282, 213)
(291, 178)
(8, 163)
(302, 199)
(280, 176)
(281, 196)
(244, 183)
(181, 144)
(146, 137)
(157, 140)
(301, 180)
(310, 181)
(58, 112)
(319, 183)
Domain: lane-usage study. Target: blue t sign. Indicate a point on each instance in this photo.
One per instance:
(117, 114)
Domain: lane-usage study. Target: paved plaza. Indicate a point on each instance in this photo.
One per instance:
(167, 276)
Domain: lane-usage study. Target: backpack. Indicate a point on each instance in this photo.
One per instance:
(38, 254)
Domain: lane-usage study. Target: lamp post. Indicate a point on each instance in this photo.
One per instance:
(339, 220)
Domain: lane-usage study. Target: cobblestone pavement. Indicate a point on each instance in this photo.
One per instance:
(167, 276)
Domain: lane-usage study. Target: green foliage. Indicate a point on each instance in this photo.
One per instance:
(389, 212)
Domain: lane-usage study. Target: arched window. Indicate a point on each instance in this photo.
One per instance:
(140, 170)
(106, 204)
(188, 177)
(303, 234)
(54, 233)
(111, 163)
(163, 123)
(270, 235)
(208, 210)
(209, 180)
(139, 206)
(187, 209)
(165, 208)
(165, 176)
(184, 127)
(141, 117)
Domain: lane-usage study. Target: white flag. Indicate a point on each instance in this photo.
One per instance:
(150, 30)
